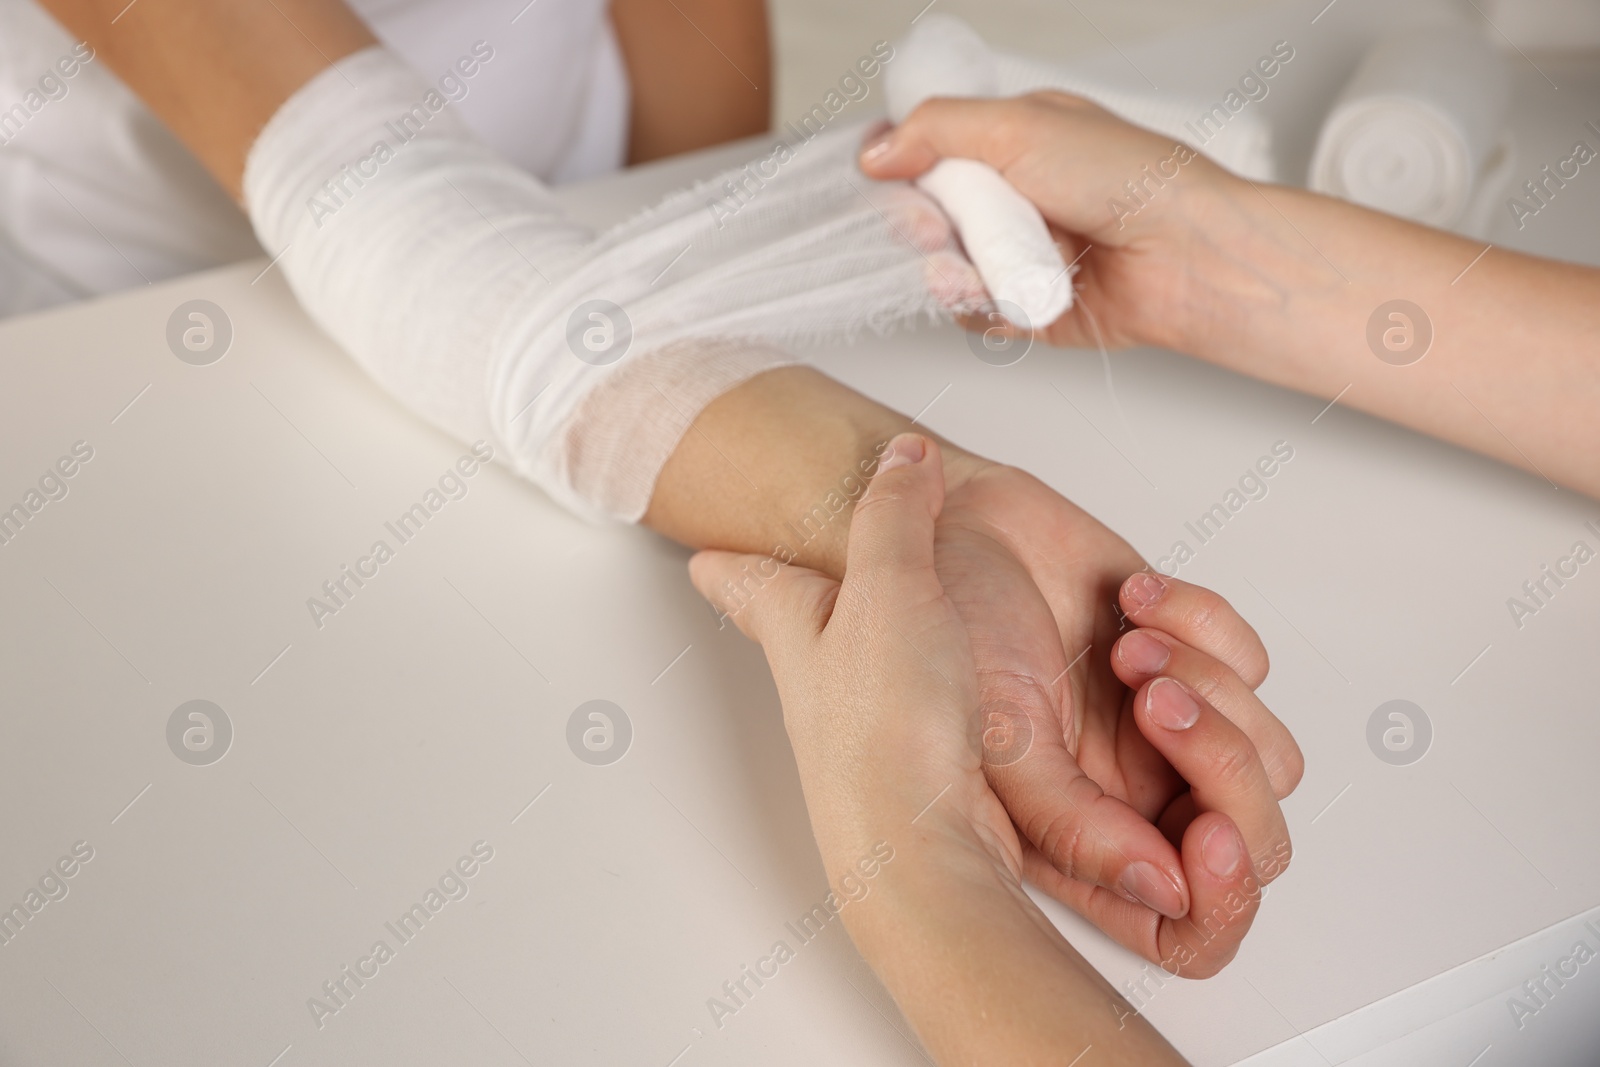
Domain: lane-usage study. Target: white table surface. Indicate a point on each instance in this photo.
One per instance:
(371, 754)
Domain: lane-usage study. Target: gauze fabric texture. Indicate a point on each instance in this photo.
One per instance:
(460, 285)
(404, 237)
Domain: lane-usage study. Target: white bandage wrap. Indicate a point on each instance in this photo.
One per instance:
(406, 239)
(459, 284)
(795, 249)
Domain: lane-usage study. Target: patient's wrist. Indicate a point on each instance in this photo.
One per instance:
(775, 466)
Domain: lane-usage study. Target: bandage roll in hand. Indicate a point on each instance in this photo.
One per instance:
(1001, 230)
(1420, 128)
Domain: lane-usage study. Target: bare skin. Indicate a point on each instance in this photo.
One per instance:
(215, 99)
(1281, 283)
(701, 72)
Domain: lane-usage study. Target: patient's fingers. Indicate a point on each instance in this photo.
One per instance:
(1089, 838)
(1024, 722)
(1142, 654)
(1236, 843)
(1226, 893)
(1198, 617)
(1220, 764)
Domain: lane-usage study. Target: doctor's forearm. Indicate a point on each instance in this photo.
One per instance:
(1497, 351)
(981, 973)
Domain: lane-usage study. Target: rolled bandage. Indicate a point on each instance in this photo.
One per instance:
(1420, 128)
(458, 282)
(1001, 230)
(1004, 236)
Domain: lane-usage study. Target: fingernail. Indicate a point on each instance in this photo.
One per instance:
(1144, 589)
(904, 450)
(1145, 884)
(1222, 850)
(877, 148)
(1141, 653)
(1170, 706)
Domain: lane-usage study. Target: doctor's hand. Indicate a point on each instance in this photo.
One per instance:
(879, 685)
(1286, 285)
(1125, 759)
(876, 672)
(1143, 272)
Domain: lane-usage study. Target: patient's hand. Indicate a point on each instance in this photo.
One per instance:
(1099, 804)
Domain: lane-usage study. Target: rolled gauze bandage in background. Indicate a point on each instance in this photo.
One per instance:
(1418, 127)
(1003, 233)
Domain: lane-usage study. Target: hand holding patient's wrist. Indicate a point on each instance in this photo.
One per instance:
(961, 466)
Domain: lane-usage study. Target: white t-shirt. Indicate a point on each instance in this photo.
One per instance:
(96, 195)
